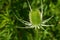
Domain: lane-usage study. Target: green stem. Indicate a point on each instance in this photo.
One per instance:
(36, 36)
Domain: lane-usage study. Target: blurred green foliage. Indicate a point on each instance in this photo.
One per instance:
(8, 21)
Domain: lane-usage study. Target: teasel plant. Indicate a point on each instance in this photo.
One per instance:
(36, 21)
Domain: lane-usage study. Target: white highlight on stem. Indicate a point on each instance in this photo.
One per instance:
(25, 27)
(29, 5)
(23, 21)
(47, 25)
(46, 20)
(41, 10)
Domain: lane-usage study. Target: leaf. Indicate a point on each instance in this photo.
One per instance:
(3, 23)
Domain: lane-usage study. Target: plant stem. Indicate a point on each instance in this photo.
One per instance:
(36, 36)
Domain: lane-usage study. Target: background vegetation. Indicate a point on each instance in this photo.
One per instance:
(8, 21)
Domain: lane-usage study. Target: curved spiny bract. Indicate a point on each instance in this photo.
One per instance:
(35, 17)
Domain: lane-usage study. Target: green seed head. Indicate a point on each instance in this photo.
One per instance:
(35, 17)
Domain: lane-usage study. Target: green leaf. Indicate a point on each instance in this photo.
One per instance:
(3, 23)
